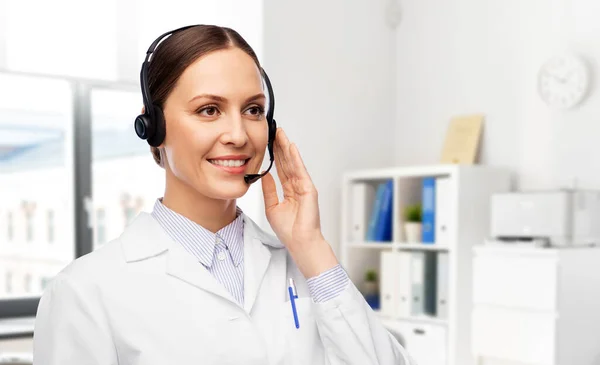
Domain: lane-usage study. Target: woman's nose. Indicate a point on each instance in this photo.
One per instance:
(235, 132)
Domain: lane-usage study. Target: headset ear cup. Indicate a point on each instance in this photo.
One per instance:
(159, 128)
(143, 126)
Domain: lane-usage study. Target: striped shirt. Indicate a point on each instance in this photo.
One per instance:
(222, 254)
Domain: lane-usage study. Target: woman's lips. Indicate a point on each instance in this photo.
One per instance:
(230, 165)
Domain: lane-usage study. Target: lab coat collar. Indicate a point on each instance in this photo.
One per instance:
(144, 238)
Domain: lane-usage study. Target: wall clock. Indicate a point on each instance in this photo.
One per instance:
(563, 81)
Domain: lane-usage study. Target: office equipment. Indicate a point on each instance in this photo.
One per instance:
(554, 218)
(536, 305)
(293, 296)
(467, 201)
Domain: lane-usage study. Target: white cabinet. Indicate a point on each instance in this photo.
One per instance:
(536, 306)
(436, 326)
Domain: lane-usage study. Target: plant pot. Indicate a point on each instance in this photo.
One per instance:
(412, 231)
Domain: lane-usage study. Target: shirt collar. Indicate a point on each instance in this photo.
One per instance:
(199, 241)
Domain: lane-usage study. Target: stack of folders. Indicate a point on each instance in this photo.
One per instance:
(414, 283)
(372, 211)
(436, 210)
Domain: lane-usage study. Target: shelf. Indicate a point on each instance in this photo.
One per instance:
(426, 319)
(372, 245)
(402, 172)
(398, 246)
(420, 247)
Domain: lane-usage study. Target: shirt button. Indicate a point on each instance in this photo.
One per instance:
(221, 256)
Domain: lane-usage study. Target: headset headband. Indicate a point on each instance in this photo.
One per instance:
(147, 100)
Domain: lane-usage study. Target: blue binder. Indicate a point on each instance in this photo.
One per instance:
(384, 223)
(373, 221)
(428, 203)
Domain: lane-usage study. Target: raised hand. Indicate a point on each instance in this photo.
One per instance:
(296, 220)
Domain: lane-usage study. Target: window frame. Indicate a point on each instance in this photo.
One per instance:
(82, 174)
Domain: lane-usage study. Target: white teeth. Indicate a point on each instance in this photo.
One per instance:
(228, 163)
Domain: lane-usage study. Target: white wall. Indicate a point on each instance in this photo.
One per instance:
(464, 56)
(331, 65)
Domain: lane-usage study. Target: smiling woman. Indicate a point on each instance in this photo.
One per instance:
(196, 280)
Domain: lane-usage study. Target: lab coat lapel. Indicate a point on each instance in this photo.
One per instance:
(145, 239)
(183, 266)
(257, 256)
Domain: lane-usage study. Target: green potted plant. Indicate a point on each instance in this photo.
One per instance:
(413, 215)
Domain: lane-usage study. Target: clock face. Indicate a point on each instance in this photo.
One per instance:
(563, 81)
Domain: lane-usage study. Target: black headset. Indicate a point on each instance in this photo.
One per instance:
(150, 126)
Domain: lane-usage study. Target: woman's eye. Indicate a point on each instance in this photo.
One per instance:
(209, 111)
(255, 111)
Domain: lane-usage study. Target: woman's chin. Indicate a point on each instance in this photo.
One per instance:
(227, 189)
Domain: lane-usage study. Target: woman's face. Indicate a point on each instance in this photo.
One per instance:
(216, 126)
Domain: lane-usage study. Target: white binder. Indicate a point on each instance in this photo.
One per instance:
(404, 284)
(363, 198)
(388, 290)
(417, 275)
(442, 285)
(443, 212)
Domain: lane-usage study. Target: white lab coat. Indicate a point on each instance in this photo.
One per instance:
(142, 299)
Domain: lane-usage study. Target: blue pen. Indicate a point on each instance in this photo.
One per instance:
(293, 296)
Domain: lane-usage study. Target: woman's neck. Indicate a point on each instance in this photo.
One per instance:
(212, 214)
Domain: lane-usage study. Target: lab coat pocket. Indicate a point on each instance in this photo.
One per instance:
(302, 344)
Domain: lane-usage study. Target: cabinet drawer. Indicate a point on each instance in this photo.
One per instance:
(514, 335)
(516, 281)
(426, 343)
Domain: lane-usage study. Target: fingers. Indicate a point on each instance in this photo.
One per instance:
(304, 182)
(282, 160)
(269, 191)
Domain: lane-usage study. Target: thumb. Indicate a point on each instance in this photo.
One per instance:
(269, 191)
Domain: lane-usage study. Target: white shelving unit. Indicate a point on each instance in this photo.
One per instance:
(470, 188)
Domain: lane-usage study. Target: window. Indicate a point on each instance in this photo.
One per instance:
(9, 227)
(44, 281)
(27, 284)
(117, 151)
(50, 225)
(100, 226)
(8, 282)
(36, 170)
(28, 212)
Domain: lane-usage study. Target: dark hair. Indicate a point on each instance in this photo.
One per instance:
(174, 54)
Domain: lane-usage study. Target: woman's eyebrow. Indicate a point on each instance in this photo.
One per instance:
(209, 96)
(257, 97)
